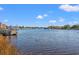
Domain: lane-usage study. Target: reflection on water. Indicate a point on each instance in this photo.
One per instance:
(47, 42)
(6, 48)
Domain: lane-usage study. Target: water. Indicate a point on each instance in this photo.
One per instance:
(47, 42)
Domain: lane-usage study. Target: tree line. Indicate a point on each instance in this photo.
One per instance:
(76, 27)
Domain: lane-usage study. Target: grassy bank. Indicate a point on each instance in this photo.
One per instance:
(5, 47)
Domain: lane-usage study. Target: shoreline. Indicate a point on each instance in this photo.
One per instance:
(6, 48)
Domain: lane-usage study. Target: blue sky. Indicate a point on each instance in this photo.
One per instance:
(39, 14)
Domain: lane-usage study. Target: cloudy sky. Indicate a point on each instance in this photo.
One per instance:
(39, 15)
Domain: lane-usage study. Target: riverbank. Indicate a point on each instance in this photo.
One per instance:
(6, 48)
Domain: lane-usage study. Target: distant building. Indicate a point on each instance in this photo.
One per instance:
(3, 26)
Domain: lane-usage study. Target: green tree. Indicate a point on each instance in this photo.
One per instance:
(75, 27)
(50, 27)
(66, 27)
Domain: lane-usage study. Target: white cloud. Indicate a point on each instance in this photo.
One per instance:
(5, 20)
(45, 15)
(69, 8)
(61, 20)
(39, 17)
(1, 8)
(52, 21)
(73, 22)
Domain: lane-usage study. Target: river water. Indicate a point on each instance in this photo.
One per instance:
(47, 42)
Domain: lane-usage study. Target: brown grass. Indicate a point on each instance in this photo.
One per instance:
(6, 48)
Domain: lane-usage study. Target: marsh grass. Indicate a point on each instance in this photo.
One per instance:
(6, 48)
